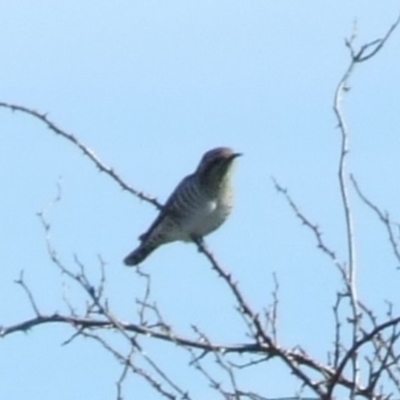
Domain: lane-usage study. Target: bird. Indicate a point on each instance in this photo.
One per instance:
(200, 203)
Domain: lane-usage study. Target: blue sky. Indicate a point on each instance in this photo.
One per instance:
(149, 86)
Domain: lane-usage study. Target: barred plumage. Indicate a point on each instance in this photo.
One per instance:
(198, 206)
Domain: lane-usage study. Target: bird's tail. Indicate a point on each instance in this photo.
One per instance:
(139, 254)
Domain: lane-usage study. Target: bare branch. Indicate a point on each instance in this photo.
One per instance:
(28, 292)
(306, 222)
(85, 149)
(367, 338)
(384, 217)
(365, 53)
(245, 308)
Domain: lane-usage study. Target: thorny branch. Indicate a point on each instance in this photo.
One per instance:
(85, 150)
(349, 268)
(384, 217)
(363, 54)
(98, 305)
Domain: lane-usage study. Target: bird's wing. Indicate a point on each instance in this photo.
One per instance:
(169, 211)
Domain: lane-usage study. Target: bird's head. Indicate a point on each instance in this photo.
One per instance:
(215, 167)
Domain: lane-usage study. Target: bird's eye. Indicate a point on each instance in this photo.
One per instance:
(214, 162)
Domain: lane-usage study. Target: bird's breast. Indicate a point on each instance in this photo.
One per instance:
(208, 217)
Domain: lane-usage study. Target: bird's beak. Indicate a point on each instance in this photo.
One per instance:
(235, 155)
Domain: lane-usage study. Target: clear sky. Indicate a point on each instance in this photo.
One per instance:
(149, 86)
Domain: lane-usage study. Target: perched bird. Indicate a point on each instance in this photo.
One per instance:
(198, 206)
